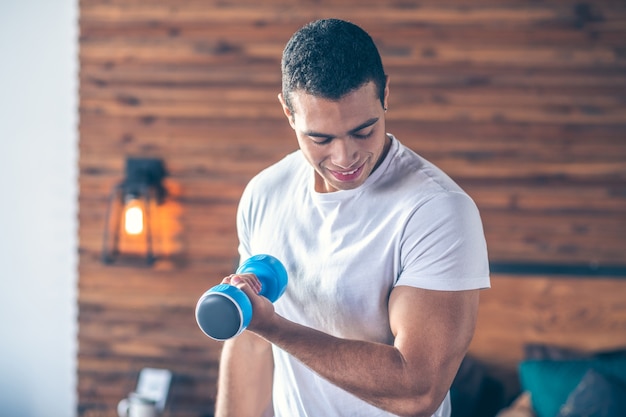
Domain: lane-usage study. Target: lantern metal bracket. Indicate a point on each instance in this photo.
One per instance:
(145, 172)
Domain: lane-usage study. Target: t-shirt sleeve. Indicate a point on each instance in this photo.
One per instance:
(443, 246)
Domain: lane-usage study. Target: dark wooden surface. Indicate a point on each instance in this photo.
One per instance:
(523, 103)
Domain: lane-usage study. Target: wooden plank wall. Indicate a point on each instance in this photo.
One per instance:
(522, 102)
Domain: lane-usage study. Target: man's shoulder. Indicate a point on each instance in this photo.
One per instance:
(416, 178)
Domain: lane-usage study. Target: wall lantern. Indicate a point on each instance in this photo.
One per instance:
(130, 219)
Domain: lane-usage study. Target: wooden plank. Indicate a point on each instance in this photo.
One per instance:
(588, 314)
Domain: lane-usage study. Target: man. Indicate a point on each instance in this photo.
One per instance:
(385, 254)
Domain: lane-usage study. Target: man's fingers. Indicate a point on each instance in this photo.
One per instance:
(239, 280)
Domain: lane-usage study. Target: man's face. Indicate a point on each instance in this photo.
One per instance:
(343, 140)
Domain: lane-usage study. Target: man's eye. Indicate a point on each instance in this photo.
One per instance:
(364, 135)
(320, 141)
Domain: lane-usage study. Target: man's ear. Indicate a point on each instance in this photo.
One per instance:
(286, 110)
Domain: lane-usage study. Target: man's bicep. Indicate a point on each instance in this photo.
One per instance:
(433, 329)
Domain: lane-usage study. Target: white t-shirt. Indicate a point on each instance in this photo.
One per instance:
(408, 224)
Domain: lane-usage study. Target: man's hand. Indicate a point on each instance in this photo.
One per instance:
(263, 311)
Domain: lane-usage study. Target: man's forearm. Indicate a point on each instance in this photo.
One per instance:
(376, 373)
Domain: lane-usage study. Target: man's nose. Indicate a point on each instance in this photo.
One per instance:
(344, 153)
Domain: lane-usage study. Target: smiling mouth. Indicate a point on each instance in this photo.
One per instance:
(348, 175)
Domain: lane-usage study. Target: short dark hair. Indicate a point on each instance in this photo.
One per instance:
(330, 58)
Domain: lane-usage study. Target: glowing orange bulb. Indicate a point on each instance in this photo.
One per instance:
(133, 218)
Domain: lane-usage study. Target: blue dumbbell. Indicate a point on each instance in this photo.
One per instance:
(224, 311)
